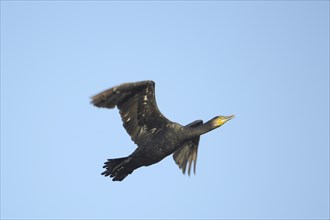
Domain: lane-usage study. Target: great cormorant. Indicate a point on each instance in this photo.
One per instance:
(155, 135)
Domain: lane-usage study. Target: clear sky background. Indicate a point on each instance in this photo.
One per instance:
(267, 62)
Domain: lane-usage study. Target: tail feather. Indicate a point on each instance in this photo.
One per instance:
(117, 168)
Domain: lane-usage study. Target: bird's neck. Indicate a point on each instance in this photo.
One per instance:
(202, 129)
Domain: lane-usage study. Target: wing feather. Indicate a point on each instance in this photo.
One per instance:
(137, 107)
(187, 153)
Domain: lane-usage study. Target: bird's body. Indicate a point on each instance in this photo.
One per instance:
(156, 136)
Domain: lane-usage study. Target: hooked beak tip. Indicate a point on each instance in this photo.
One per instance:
(230, 117)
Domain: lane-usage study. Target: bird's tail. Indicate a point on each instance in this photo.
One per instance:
(118, 168)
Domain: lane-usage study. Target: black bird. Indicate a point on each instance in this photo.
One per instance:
(155, 135)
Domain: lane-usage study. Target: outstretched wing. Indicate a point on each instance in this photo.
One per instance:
(137, 106)
(187, 153)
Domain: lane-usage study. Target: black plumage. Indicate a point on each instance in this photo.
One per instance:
(155, 135)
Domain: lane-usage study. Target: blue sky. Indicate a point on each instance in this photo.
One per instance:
(267, 62)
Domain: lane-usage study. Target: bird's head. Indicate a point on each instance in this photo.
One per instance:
(220, 120)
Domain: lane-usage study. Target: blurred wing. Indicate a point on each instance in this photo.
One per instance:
(187, 153)
(137, 106)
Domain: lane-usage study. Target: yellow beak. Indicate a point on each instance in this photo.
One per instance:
(223, 119)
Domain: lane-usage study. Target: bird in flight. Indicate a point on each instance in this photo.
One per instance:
(156, 136)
